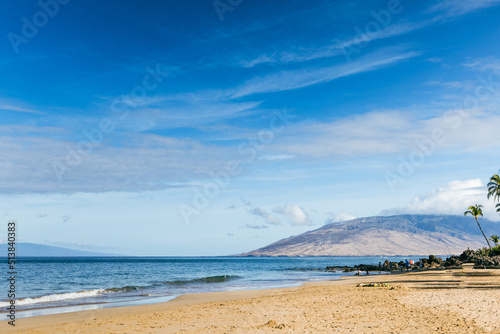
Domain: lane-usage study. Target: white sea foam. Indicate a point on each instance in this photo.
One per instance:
(56, 297)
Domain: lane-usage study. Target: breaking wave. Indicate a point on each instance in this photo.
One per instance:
(56, 297)
(129, 288)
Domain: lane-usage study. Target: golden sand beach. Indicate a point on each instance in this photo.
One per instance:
(437, 301)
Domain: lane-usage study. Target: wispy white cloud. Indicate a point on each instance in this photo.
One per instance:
(8, 105)
(286, 57)
(147, 162)
(451, 8)
(193, 110)
(466, 84)
(390, 132)
(133, 161)
(439, 13)
(277, 157)
(489, 64)
(30, 130)
(391, 30)
(434, 60)
(289, 80)
(141, 162)
(338, 48)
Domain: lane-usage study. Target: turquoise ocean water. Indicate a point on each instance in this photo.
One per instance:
(57, 285)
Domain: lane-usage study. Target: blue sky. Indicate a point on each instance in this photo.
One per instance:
(212, 128)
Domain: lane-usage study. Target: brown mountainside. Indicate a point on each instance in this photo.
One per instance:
(394, 235)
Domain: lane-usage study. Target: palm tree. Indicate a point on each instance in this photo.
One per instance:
(475, 211)
(494, 187)
(495, 239)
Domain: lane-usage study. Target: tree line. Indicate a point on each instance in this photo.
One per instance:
(477, 210)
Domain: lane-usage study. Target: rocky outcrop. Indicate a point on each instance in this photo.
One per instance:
(480, 259)
(432, 262)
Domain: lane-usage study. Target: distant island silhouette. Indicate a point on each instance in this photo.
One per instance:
(26, 249)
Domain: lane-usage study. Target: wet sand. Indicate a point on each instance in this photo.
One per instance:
(451, 301)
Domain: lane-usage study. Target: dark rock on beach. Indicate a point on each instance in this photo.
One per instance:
(479, 259)
(433, 262)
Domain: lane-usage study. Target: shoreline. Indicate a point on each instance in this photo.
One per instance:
(189, 298)
(276, 273)
(54, 310)
(322, 306)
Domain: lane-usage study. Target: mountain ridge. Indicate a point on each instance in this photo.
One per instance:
(26, 249)
(385, 236)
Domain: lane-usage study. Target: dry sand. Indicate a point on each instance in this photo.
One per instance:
(457, 301)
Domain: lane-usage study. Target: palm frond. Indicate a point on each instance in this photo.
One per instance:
(494, 187)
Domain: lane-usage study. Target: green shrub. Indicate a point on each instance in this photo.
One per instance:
(485, 251)
(495, 250)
